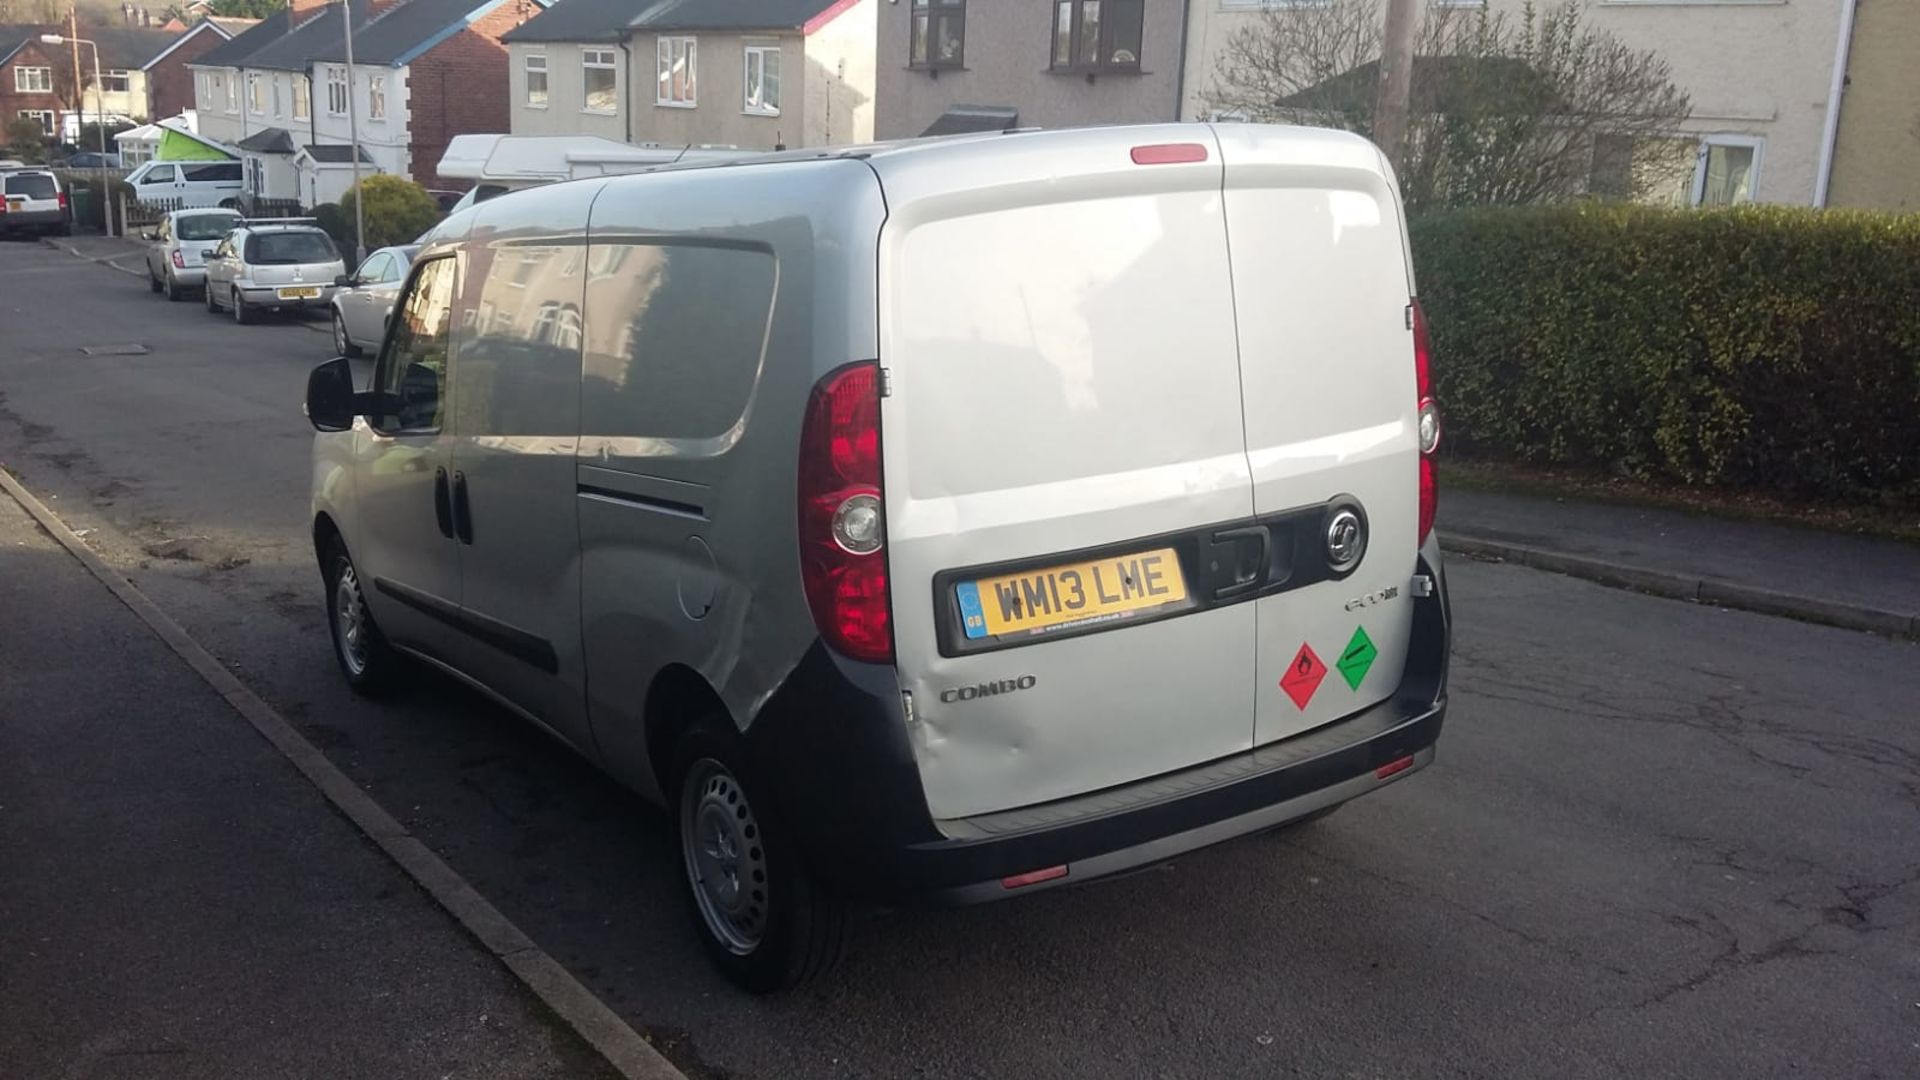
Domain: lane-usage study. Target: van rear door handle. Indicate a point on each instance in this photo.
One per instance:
(462, 511)
(442, 503)
(1237, 560)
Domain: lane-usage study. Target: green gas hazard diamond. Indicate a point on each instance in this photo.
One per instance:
(1357, 657)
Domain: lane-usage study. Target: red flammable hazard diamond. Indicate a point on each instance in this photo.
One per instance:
(1303, 676)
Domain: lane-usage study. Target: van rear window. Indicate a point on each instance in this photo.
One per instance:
(31, 185)
(675, 334)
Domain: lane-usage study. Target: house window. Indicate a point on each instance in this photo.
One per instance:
(33, 80)
(600, 81)
(376, 97)
(536, 82)
(939, 34)
(336, 91)
(1727, 171)
(677, 61)
(1097, 35)
(256, 94)
(302, 90)
(233, 95)
(117, 81)
(44, 116)
(763, 80)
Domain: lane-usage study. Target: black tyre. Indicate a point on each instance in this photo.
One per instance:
(172, 289)
(370, 665)
(153, 283)
(206, 294)
(342, 344)
(240, 313)
(765, 923)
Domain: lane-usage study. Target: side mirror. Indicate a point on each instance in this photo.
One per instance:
(330, 396)
(344, 281)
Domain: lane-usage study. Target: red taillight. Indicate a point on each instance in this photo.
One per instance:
(1393, 768)
(63, 200)
(1169, 153)
(1033, 877)
(179, 260)
(1427, 417)
(843, 560)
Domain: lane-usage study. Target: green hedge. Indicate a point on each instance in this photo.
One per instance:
(1761, 348)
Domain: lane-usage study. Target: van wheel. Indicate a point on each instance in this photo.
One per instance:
(370, 665)
(764, 922)
(240, 313)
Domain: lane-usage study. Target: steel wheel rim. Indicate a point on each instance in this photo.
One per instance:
(350, 620)
(339, 335)
(722, 844)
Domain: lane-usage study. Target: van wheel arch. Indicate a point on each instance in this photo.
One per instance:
(679, 699)
(325, 535)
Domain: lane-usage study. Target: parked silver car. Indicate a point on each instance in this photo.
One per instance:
(278, 265)
(174, 260)
(365, 298)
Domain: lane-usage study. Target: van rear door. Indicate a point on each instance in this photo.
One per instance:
(1062, 431)
(1321, 287)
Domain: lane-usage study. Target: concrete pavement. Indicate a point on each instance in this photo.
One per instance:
(1859, 582)
(1661, 839)
(176, 901)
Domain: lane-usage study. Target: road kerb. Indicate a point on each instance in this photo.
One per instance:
(1689, 587)
(576, 1006)
(104, 260)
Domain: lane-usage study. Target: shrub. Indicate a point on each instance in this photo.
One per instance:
(338, 224)
(397, 211)
(1761, 348)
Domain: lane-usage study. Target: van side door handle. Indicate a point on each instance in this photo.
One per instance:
(442, 503)
(462, 511)
(1236, 560)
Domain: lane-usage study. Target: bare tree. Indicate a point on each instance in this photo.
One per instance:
(1504, 110)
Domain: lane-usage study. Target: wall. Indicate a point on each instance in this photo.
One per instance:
(458, 88)
(1876, 161)
(216, 122)
(720, 92)
(385, 140)
(1007, 49)
(170, 83)
(839, 76)
(565, 93)
(1752, 67)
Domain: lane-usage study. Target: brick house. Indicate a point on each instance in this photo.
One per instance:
(36, 80)
(423, 72)
(169, 79)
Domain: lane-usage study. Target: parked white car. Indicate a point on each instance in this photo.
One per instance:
(188, 183)
(282, 265)
(175, 264)
(364, 299)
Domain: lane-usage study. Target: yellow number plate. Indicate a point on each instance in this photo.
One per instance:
(1073, 595)
(299, 294)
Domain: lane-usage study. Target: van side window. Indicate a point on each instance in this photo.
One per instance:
(520, 361)
(414, 366)
(674, 337)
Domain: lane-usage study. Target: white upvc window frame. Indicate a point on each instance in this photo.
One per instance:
(337, 80)
(256, 94)
(376, 97)
(233, 94)
(47, 118)
(1756, 143)
(593, 58)
(43, 82)
(545, 71)
(123, 75)
(752, 55)
(302, 97)
(663, 67)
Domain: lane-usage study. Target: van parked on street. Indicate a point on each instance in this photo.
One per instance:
(937, 522)
(178, 184)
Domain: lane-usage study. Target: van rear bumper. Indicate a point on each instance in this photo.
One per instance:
(833, 745)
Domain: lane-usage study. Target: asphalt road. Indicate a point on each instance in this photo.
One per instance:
(1660, 839)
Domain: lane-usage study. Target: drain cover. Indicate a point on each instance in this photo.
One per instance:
(114, 350)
